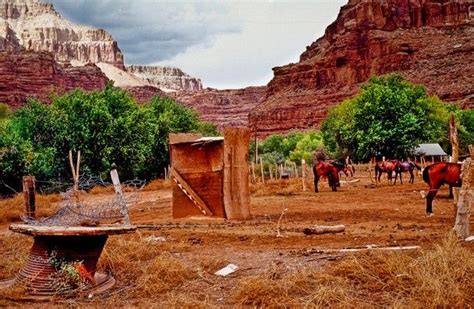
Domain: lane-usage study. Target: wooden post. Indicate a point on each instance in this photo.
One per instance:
(256, 146)
(29, 194)
(236, 173)
(461, 225)
(261, 170)
(303, 173)
(253, 172)
(454, 139)
(120, 198)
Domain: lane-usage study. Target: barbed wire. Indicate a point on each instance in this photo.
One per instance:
(79, 208)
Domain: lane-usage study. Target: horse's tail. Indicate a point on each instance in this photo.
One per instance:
(426, 175)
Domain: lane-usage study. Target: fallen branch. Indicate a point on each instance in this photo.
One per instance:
(324, 229)
(349, 181)
(359, 249)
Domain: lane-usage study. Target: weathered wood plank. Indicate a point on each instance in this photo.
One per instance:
(236, 173)
(190, 193)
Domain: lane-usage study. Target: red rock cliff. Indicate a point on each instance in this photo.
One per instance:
(430, 42)
(35, 25)
(26, 74)
(225, 108)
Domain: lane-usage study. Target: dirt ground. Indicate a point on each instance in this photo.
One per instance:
(383, 215)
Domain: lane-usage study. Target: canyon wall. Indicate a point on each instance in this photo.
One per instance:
(27, 74)
(166, 78)
(36, 26)
(428, 41)
(226, 108)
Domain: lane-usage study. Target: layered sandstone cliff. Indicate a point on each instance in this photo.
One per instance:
(50, 53)
(35, 25)
(27, 74)
(166, 78)
(430, 42)
(225, 108)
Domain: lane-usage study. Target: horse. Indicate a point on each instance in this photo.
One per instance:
(437, 175)
(329, 170)
(385, 167)
(405, 167)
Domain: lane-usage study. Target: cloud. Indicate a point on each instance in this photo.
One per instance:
(149, 30)
(226, 43)
(272, 34)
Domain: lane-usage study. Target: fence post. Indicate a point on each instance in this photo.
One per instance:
(303, 173)
(29, 194)
(461, 225)
(253, 172)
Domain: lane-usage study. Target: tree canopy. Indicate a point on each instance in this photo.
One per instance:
(277, 149)
(108, 127)
(390, 116)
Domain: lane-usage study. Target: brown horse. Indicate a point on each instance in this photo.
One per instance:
(405, 167)
(437, 175)
(385, 167)
(329, 170)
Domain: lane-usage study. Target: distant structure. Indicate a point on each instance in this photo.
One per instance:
(431, 152)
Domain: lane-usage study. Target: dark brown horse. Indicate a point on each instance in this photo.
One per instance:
(405, 167)
(329, 170)
(385, 167)
(437, 175)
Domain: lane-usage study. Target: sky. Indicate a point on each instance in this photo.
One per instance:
(227, 44)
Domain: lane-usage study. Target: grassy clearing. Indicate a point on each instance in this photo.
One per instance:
(157, 274)
(439, 277)
(12, 209)
(157, 184)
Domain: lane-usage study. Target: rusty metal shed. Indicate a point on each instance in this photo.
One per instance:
(210, 175)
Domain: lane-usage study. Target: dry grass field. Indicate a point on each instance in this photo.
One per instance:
(290, 271)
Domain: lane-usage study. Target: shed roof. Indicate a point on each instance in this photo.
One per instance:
(430, 150)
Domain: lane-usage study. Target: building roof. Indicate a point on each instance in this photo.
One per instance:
(430, 150)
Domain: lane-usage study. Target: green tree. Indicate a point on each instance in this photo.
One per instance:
(295, 146)
(390, 116)
(306, 147)
(107, 126)
(5, 111)
(466, 130)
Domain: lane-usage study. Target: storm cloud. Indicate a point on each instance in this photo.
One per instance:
(228, 44)
(150, 31)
